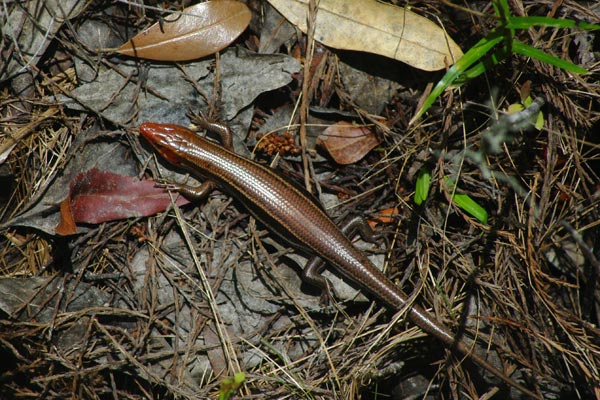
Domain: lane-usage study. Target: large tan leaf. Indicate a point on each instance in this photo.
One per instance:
(197, 31)
(374, 27)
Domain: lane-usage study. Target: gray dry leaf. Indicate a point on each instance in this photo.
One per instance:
(35, 299)
(374, 27)
(276, 31)
(380, 88)
(166, 93)
(93, 34)
(31, 26)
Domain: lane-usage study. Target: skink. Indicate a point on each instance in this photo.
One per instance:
(292, 213)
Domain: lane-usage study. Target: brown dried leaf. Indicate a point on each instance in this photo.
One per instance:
(197, 31)
(347, 143)
(66, 226)
(375, 27)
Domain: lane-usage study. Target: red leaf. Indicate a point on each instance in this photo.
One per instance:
(197, 31)
(98, 196)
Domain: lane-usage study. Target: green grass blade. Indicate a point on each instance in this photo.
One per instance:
(485, 65)
(475, 53)
(467, 204)
(471, 207)
(422, 187)
(528, 22)
(502, 10)
(528, 51)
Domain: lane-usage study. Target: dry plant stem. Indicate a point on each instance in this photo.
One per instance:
(305, 315)
(306, 96)
(12, 139)
(587, 251)
(227, 347)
